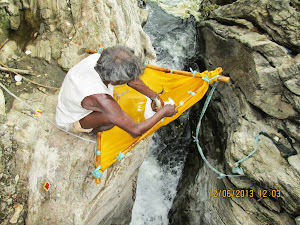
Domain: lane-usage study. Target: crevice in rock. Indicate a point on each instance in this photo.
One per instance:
(224, 2)
(26, 31)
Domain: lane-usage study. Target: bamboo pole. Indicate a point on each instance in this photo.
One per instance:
(184, 73)
(165, 70)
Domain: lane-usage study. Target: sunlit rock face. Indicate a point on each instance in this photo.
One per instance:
(257, 45)
(63, 30)
(48, 35)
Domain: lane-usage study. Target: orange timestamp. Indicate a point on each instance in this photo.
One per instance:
(243, 193)
(231, 193)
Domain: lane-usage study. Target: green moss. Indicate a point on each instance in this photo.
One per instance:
(208, 9)
(4, 19)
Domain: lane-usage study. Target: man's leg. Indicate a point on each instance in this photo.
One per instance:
(97, 121)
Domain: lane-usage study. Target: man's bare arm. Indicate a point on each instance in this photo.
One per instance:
(141, 87)
(111, 109)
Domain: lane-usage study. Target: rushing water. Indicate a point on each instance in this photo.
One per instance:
(174, 41)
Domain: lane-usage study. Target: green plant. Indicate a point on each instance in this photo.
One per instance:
(208, 9)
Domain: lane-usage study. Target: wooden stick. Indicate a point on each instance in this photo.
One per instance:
(223, 79)
(16, 70)
(184, 73)
(179, 72)
(3, 43)
(90, 51)
(31, 81)
(98, 157)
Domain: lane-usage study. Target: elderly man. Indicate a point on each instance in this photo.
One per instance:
(85, 101)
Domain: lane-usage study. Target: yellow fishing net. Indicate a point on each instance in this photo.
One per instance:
(184, 88)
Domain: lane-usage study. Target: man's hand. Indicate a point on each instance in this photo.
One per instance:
(154, 105)
(169, 110)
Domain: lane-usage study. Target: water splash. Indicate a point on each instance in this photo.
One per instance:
(174, 40)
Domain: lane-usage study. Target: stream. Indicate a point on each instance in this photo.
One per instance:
(174, 41)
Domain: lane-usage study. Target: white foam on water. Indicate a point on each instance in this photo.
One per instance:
(157, 181)
(155, 193)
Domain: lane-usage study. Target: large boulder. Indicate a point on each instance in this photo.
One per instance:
(279, 19)
(62, 31)
(259, 50)
(32, 150)
(39, 152)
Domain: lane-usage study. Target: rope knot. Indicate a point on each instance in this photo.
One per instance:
(195, 139)
(97, 173)
(120, 156)
(192, 93)
(193, 71)
(98, 152)
(222, 175)
(209, 80)
(100, 49)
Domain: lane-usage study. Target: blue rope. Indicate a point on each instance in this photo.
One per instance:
(120, 156)
(208, 80)
(193, 71)
(192, 93)
(250, 154)
(221, 175)
(97, 152)
(97, 173)
(100, 49)
(171, 71)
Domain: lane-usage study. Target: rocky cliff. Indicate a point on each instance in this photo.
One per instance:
(257, 45)
(47, 38)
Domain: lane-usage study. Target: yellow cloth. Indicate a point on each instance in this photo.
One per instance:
(177, 87)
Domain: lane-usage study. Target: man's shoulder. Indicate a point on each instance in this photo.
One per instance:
(101, 97)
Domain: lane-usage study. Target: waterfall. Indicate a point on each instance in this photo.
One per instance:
(174, 41)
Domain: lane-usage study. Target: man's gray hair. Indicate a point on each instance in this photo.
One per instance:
(119, 63)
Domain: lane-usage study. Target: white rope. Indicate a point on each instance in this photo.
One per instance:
(33, 110)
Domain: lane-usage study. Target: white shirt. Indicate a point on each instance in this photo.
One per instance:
(81, 81)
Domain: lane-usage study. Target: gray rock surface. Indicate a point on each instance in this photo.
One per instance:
(279, 19)
(43, 153)
(77, 25)
(248, 39)
(32, 150)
